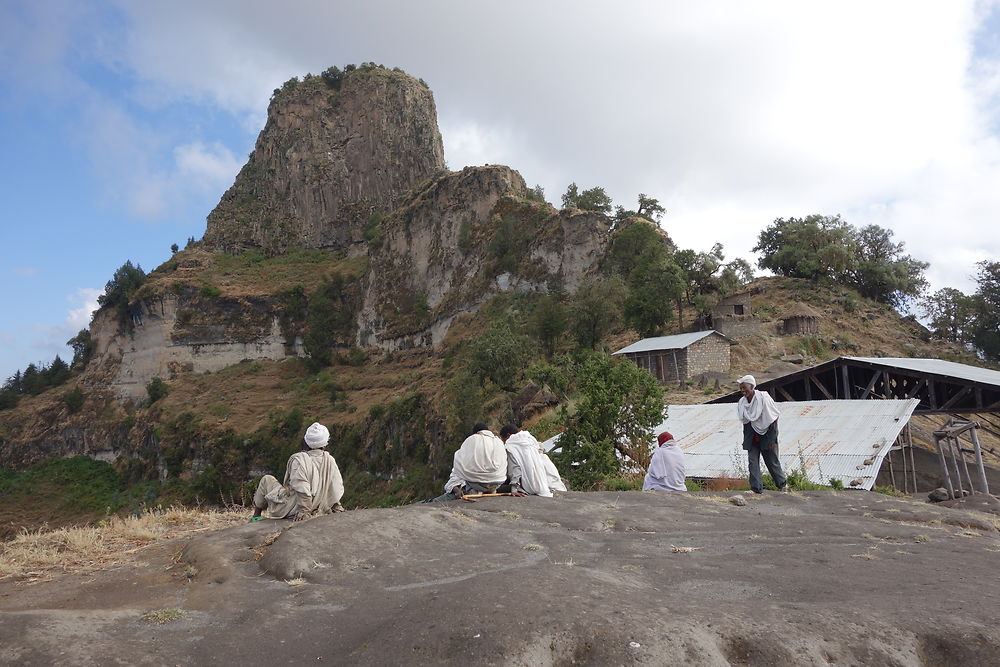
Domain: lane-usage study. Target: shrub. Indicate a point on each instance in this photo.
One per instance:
(209, 291)
(74, 399)
(156, 389)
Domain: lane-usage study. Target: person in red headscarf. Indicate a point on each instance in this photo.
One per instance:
(666, 468)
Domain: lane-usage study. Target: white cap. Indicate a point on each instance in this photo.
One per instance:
(317, 435)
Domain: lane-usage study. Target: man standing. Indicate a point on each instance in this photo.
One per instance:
(480, 465)
(666, 468)
(759, 415)
(312, 486)
(528, 468)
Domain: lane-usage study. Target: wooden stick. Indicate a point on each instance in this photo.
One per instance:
(486, 495)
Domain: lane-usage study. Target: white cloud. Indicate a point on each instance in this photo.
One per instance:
(210, 167)
(731, 114)
(85, 300)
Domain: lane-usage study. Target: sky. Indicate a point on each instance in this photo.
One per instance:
(123, 122)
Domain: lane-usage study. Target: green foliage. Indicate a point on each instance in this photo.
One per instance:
(174, 248)
(557, 376)
(499, 354)
(867, 259)
(650, 208)
(633, 245)
(293, 307)
(887, 490)
(83, 348)
(653, 285)
(508, 245)
(594, 199)
(537, 194)
(596, 310)
(209, 291)
(464, 404)
(619, 406)
(985, 328)
(78, 484)
(950, 314)
(9, 399)
(74, 399)
(119, 290)
(373, 230)
(156, 389)
(549, 321)
(622, 482)
(330, 320)
(693, 485)
(836, 484)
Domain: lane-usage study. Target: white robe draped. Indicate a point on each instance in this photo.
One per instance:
(481, 459)
(313, 484)
(760, 413)
(666, 469)
(528, 466)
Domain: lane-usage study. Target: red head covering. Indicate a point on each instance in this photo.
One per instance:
(663, 437)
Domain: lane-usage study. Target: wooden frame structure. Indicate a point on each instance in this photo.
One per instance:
(862, 379)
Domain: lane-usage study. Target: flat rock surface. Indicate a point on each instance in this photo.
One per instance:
(586, 578)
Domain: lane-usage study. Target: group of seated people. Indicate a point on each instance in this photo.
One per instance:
(513, 463)
(485, 463)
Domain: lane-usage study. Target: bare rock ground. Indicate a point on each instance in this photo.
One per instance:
(811, 578)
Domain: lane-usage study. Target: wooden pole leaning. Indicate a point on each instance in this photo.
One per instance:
(944, 465)
(979, 459)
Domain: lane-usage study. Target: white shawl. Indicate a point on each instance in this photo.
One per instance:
(760, 413)
(315, 474)
(526, 464)
(481, 458)
(666, 469)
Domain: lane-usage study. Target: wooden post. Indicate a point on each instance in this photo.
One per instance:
(944, 465)
(892, 475)
(979, 459)
(845, 380)
(965, 465)
(913, 463)
(954, 461)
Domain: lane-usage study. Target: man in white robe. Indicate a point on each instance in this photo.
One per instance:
(528, 468)
(480, 465)
(313, 484)
(666, 468)
(759, 414)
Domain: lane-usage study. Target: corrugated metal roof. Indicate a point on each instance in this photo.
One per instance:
(675, 342)
(936, 367)
(846, 440)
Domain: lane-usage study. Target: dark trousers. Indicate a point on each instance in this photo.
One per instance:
(770, 460)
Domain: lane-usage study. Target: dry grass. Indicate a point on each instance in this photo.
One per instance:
(683, 550)
(36, 555)
(161, 616)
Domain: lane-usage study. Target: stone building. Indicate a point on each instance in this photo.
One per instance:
(677, 358)
(733, 317)
(800, 319)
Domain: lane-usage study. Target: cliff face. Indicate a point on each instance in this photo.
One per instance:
(330, 156)
(463, 238)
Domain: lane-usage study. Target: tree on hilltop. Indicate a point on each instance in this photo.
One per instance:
(595, 199)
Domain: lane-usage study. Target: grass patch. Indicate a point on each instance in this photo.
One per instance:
(161, 616)
(36, 555)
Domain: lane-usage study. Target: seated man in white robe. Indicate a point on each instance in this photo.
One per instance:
(313, 484)
(666, 468)
(528, 468)
(480, 465)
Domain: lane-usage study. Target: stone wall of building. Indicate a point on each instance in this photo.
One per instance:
(710, 354)
(738, 327)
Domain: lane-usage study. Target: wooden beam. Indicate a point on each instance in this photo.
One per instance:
(871, 384)
(808, 387)
(932, 396)
(954, 399)
(821, 387)
(845, 381)
(916, 388)
(788, 397)
(886, 387)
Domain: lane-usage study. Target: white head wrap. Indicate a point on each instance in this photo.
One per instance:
(747, 379)
(317, 435)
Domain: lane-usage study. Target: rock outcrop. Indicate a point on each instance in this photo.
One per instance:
(336, 151)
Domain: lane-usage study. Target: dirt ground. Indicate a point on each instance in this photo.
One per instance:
(811, 578)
